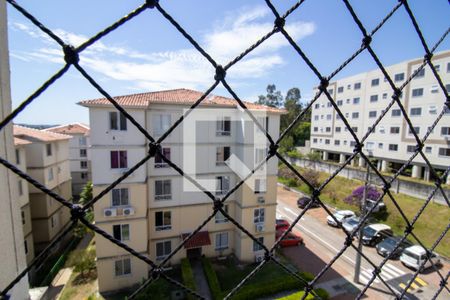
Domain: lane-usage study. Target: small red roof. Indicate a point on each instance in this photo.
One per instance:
(177, 96)
(199, 239)
(33, 135)
(75, 128)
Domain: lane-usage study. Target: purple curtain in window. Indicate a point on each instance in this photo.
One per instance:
(114, 160)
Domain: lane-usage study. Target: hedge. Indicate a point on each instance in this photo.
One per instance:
(298, 295)
(211, 277)
(188, 276)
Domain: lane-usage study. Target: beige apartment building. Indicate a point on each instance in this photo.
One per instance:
(154, 209)
(47, 161)
(11, 233)
(363, 97)
(80, 166)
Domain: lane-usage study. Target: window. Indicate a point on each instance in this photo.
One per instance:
(317, 105)
(420, 73)
(410, 148)
(117, 121)
(340, 89)
(417, 92)
(416, 111)
(327, 129)
(221, 240)
(161, 124)
(356, 100)
(355, 129)
(448, 67)
(315, 129)
(345, 143)
(445, 130)
(355, 115)
(120, 197)
(349, 86)
(83, 152)
(163, 189)
(163, 249)
(374, 98)
(393, 147)
(375, 82)
(122, 267)
(380, 145)
(447, 87)
(50, 174)
(83, 164)
(330, 91)
(48, 148)
(329, 117)
(118, 159)
(256, 246)
(373, 114)
(444, 151)
(399, 77)
(395, 130)
(22, 213)
(381, 129)
(260, 186)
(223, 126)
(316, 118)
(432, 109)
(347, 101)
(315, 140)
(163, 220)
(396, 113)
(437, 67)
(371, 129)
(159, 162)
(82, 141)
(339, 103)
(260, 154)
(384, 95)
(370, 145)
(357, 86)
(20, 186)
(329, 104)
(337, 142)
(416, 130)
(25, 244)
(83, 175)
(352, 143)
(222, 184)
(338, 129)
(17, 156)
(121, 232)
(220, 217)
(338, 117)
(222, 154)
(258, 215)
(327, 141)
(428, 149)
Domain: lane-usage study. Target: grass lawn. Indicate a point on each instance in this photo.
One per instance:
(428, 227)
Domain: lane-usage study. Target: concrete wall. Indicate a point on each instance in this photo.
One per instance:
(414, 189)
(12, 254)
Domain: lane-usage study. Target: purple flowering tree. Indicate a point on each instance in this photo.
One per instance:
(355, 198)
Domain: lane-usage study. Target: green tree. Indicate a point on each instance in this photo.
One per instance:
(85, 196)
(273, 98)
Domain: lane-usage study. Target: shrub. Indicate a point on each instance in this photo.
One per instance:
(294, 154)
(357, 195)
(312, 177)
(188, 276)
(211, 277)
(314, 156)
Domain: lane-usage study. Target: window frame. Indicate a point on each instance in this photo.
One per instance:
(121, 232)
(166, 249)
(122, 156)
(259, 215)
(164, 184)
(120, 195)
(223, 126)
(218, 237)
(158, 161)
(124, 267)
(165, 215)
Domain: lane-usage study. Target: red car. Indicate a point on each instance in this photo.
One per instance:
(281, 224)
(291, 239)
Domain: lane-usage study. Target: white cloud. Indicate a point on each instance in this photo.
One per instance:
(182, 67)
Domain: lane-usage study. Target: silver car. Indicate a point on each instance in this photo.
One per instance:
(350, 224)
(341, 216)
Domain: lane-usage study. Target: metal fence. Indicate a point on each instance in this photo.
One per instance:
(71, 57)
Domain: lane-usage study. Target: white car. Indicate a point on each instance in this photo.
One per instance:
(414, 256)
(341, 216)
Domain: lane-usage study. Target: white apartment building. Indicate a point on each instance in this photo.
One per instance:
(80, 166)
(363, 97)
(152, 211)
(12, 253)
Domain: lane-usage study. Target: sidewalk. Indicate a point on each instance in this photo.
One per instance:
(200, 280)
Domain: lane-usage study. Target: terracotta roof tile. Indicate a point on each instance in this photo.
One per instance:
(31, 135)
(20, 142)
(199, 239)
(75, 128)
(177, 96)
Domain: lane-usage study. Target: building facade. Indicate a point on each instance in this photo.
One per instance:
(153, 210)
(363, 97)
(47, 159)
(80, 166)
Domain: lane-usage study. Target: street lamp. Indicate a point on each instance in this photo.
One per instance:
(362, 207)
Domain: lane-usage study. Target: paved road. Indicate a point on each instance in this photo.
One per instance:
(322, 244)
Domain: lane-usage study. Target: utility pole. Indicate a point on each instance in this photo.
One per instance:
(362, 207)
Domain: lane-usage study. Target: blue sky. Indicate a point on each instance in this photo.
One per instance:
(148, 54)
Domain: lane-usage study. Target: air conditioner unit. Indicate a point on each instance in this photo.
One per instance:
(259, 258)
(110, 212)
(259, 227)
(261, 200)
(128, 211)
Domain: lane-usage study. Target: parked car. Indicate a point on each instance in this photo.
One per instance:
(291, 239)
(341, 216)
(386, 246)
(373, 234)
(281, 224)
(371, 203)
(414, 256)
(350, 224)
(302, 202)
